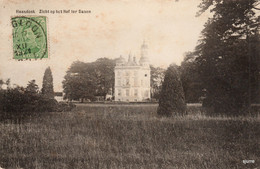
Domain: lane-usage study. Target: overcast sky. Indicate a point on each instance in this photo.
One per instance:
(113, 28)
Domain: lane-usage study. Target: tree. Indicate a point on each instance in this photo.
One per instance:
(171, 101)
(32, 87)
(47, 84)
(105, 76)
(157, 76)
(79, 82)
(8, 82)
(31, 96)
(87, 80)
(1, 83)
(190, 78)
(226, 55)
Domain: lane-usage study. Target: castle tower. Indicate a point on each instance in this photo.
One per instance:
(145, 72)
(144, 61)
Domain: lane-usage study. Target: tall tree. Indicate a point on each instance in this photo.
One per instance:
(47, 84)
(105, 77)
(79, 82)
(171, 101)
(190, 78)
(157, 76)
(227, 55)
(87, 80)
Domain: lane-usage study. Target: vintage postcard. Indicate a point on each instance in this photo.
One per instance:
(129, 84)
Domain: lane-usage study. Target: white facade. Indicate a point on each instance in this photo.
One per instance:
(132, 78)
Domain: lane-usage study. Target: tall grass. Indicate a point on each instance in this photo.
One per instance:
(107, 136)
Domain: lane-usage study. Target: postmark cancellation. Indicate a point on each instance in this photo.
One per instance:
(29, 37)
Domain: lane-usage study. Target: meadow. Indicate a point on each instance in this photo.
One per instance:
(129, 136)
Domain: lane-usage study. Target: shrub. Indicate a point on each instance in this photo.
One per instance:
(65, 106)
(171, 101)
(45, 104)
(18, 103)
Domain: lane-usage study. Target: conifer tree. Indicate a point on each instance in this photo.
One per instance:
(47, 84)
(171, 101)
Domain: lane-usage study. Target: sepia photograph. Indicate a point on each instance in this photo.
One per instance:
(129, 84)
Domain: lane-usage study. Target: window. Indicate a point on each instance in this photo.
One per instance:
(127, 73)
(145, 75)
(119, 92)
(118, 82)
(136, 81)
(136, 92)
(127, 81)
(127, 92)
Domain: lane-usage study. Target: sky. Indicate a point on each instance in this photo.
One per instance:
(113, 28)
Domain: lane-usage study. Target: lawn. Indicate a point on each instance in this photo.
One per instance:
(129, 136)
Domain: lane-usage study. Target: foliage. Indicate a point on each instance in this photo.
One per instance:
(171, 101)
(227, 55)
(8, 82)
(19, 103)
(87, 80)
(190, 78)
(157, 76)
(1, 83)
(32, 87)
(80, 82)
(105, 76)
(47, 84)
(4, 84)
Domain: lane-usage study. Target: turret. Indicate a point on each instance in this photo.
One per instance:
(130, 58)
(144, 61)
(120, 61)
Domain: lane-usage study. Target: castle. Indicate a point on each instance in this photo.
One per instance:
(132, 78)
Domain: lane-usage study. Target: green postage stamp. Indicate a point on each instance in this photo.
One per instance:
(29, 37)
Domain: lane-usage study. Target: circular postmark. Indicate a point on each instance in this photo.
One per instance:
(29, 37)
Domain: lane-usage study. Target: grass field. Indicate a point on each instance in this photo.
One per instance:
(129, 136)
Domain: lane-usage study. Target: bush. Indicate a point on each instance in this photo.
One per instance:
(45, 104)
(17, 103)
(65, 106)
(171, 101)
